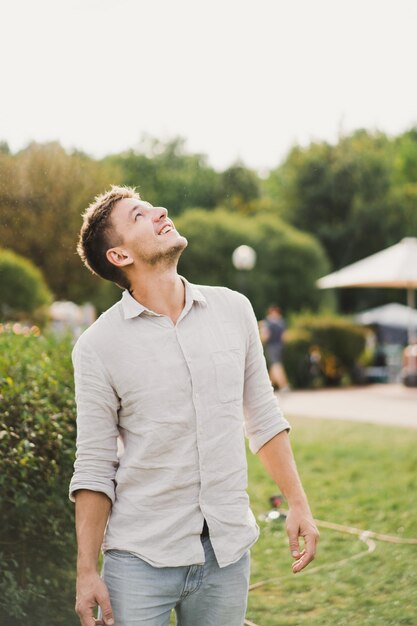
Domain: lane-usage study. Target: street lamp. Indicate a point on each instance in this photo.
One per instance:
(244, 259)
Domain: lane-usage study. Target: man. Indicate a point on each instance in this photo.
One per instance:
(272, 331)
(174, 370)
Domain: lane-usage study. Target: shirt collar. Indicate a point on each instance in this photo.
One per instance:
(132, 308)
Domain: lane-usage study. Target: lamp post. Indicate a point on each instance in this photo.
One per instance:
(244, 259)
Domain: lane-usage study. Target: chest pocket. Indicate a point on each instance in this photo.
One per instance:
(229, 375)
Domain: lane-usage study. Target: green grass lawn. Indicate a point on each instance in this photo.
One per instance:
(355, 474)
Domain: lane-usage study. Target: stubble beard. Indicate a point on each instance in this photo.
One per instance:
(165, 258)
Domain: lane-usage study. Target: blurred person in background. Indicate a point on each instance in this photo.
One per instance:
(272, 330)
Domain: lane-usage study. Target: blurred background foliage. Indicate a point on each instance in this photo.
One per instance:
(23, 288)
(37, 439)
(323, 351)
(325, 206)
(286, 257)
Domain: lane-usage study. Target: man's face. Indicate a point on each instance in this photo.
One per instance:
(147, 234)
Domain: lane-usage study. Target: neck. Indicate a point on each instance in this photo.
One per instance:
(161, 291)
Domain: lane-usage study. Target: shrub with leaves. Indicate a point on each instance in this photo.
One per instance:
(322, 351)
(37, 438)
(288, 261)
(23, 289)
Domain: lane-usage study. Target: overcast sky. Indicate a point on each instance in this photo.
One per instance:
(239, 79)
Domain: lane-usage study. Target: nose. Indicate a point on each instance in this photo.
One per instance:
(159, 213)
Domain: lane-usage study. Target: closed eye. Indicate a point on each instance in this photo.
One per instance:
(138, 214)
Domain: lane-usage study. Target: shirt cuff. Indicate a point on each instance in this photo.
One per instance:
(257, 441)
(102, 487)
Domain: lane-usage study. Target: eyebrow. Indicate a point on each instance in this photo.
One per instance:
(139, 206)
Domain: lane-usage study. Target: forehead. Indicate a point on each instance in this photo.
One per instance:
(123, 208)
(127, 204)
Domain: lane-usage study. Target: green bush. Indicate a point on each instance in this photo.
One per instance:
(23, 289)
(296, 358)
(288, 261)
(322, 350)
(37, 438)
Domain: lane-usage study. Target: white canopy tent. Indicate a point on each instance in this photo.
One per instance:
(393, 315)
(394, 267)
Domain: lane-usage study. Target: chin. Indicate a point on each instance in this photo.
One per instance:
(178, 247)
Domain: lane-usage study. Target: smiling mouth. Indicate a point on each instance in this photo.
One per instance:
(166, 229)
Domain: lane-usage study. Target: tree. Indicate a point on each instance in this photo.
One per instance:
(328, 188)
(405, 159)
(41, 202)
(348, 195)
(239, 187)
(166, 175)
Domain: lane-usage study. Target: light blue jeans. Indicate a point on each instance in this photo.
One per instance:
(202, 595)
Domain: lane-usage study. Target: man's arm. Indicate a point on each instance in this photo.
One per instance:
(277, 457)
(264, 331)
(91, 513)
(92, 485)
(267, 429)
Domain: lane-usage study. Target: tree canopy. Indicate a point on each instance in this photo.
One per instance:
(354, 198)
(357, 197)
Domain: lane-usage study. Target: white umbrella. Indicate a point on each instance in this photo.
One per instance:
(393, 315)
(395, 266)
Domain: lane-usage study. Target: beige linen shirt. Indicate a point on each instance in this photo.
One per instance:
(179, 396)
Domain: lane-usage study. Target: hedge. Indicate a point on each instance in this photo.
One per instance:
(23, 289)
(37, 439)
(287, 266)
(322, 351)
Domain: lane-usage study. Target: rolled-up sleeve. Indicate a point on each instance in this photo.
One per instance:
(263, 416)
(97, 417)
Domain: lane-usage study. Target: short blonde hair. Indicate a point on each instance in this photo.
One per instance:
(98, 234)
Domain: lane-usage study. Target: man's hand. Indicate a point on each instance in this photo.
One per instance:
(278, 459)
(91, 591)
(300, 523)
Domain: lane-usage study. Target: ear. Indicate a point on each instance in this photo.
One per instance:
(118, 257)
